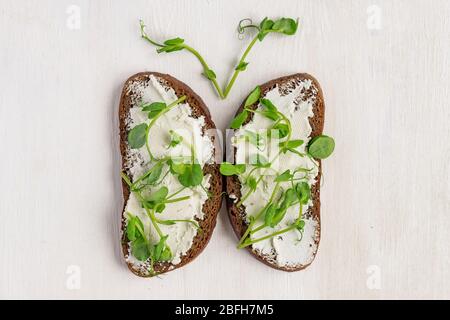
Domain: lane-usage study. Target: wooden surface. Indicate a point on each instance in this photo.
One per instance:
(384, 68)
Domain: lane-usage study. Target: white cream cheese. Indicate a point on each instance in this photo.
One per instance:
(289, 249)
(180, 120)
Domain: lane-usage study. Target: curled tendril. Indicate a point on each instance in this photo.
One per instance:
(301, 236)
(244, 24)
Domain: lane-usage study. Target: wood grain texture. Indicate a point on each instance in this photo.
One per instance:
(385, 200)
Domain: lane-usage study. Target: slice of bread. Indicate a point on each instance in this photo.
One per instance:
(233, 185)
(211, 206)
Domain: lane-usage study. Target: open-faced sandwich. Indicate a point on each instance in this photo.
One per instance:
(274, 173)
(171, 184)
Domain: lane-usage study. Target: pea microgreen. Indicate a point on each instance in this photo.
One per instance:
(286, 26)
(303, 191)
(253, 97)
(154, 108)
(264, 28)
(135, 233)
(210, 74)
(140, 249)
(241, 66)
(285, 176)
(271, 111)
(135, 228)
(252, 183)
(161, 252)
(291, 146)
(269, 214)
(239, 120)
(192, 175)
(321, 147)
(178, 44)
(283, 130)
(159, 195)
(228, 169)
(174, 42)
(137, 136)
(175, 139)
(176, 166)
(154, 174)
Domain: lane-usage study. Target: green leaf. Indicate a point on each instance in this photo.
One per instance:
(135, 228)
(175, 139)
(264, 28)
(286, 26)
(300, 225)
(270, 111)
(258, 160)
(292, 144)
(158, 196)
(283, 130)
(166, 254)
(155, 174)
(252, 184)
(303, 191)
(269, 105)
(192, 175)
(241, 66)
(159, 207)
(269, 214)
(228, 169)
(170, 48)
(159, 247)
(154, 108)
(131, 229)
(166, 222)
(266, 24)
(274, 116)
(288, 198)
(176, 167)
(321, 147)
(137, 136)
(174, 41)
(239, 120)
(253, 97)
(285, 176)
(140, 250)
(210, 74)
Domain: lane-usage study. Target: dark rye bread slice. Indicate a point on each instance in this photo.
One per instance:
(211, 207)
(233, 185)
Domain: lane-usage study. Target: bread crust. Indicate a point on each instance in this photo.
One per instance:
(211, 206)
(233, 185)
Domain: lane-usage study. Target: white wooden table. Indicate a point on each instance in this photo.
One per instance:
(384, 67)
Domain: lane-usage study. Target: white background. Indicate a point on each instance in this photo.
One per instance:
(385, 201)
